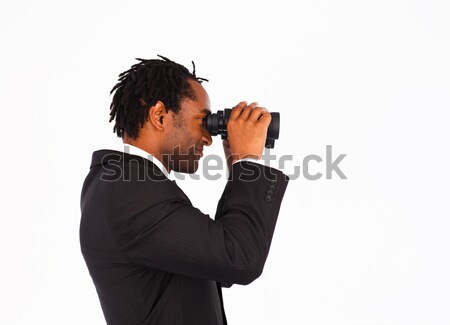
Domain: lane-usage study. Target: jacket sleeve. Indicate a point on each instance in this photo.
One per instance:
(156, 226)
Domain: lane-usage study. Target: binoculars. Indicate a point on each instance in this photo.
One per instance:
(216, 123)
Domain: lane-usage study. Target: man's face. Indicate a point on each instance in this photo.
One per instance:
(188, 134)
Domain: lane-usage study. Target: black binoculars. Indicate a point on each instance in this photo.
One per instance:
(216, 124)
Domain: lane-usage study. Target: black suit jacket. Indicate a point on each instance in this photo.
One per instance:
(156, 259)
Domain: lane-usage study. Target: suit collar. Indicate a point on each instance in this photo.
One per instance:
(114, 157)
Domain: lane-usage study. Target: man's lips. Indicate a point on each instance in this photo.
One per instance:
(199, 152)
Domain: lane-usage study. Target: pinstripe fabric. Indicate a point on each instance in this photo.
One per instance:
(156, 259)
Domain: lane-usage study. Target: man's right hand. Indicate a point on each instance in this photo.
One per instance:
(247, 130)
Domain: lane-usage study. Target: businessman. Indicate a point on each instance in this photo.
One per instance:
(153, 257)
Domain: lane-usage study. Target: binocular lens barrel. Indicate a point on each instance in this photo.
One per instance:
(216, 124)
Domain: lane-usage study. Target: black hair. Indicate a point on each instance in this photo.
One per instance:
(142, 86)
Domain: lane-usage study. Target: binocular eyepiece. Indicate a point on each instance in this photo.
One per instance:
(216, 123)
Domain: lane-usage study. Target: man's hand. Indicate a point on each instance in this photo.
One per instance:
(247, 130)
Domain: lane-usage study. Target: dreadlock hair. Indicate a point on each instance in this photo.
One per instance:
(141, 87)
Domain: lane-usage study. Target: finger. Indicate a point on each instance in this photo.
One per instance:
(246, 111)
(257, 113)
(265, 119)
(237, 110)
(253, 105)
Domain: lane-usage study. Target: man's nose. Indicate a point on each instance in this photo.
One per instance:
(206, 138)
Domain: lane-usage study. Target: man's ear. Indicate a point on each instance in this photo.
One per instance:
(157, 116)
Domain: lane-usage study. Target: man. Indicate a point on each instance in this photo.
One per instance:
(153, 257)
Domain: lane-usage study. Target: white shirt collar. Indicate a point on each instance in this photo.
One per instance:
(132, 150)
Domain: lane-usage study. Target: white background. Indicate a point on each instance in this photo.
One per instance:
(370, 78)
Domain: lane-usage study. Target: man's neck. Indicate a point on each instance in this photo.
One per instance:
(134, 149)
(152, 152)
